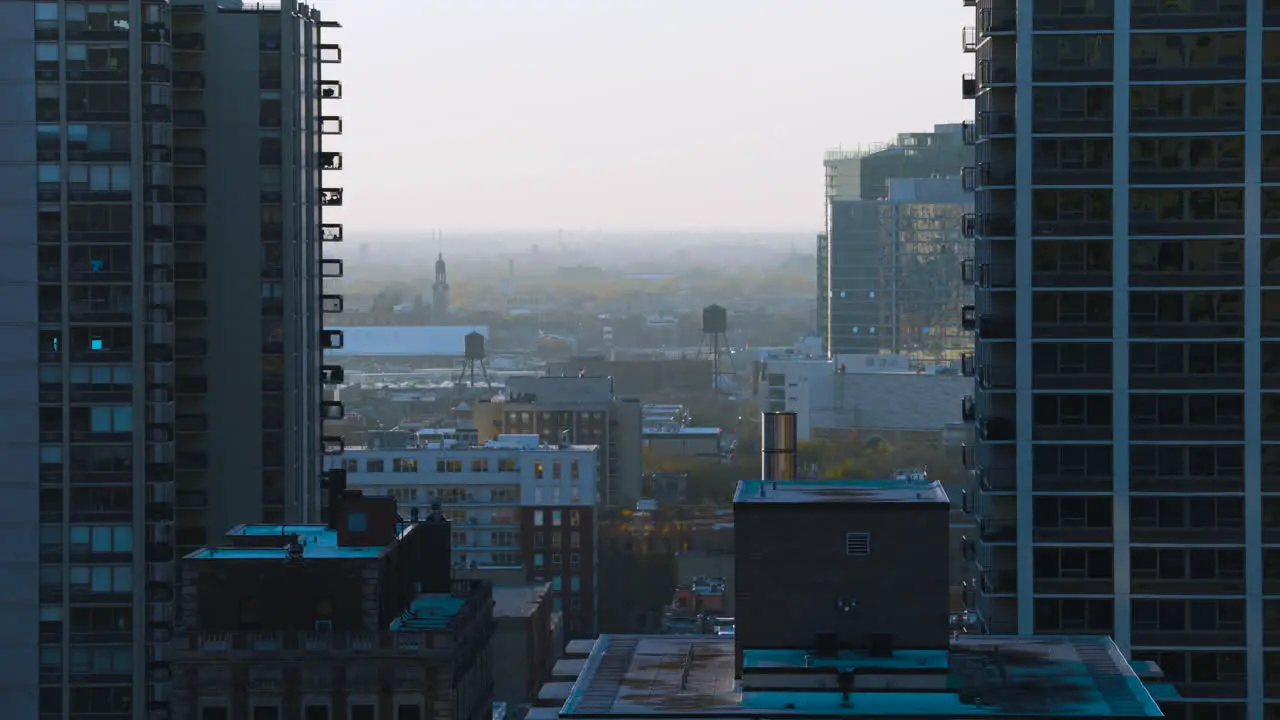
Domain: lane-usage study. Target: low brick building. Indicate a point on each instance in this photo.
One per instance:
(356, 620)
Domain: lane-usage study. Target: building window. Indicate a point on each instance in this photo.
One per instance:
(215, 713)
(575, 540)
(363, 712)
(315, 712)
(266, 712)
(857, 544)
(373, 466)
(111, 418)
(555, 518)
(556, 560)
(403, 465)
(555, 471)
(538, 540)
(537, 471)
(573, 469)
(538, 518)
(556, 541)
(538, 560)
(557, 583)
(575, 583)
(574, 560)
(575, 517)
(409, 712)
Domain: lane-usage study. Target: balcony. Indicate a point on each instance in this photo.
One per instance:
(270, 80)
(1100, 17)
(331, 304)
(191, 423)
(995, 327)
(331, 410)
(331, 339)
(330, 268)
(332, 374)
(969, 39)
(995, 276)
(998, 530)
(189, 195)
(188, 80)
(968, 87)
(329, 89)
(998, 582)
(1080, 532)
(1220, 584)
(332, 445)
(1073, 432)
(1155, 15)
(191, 348)
(190, 271)
(331, 197)
(997, 479)
(192, 461)
(331, 232)
(1072, 480)
(189, 233)
(330, 125)
(330, 54)
(996, 123)
(192, 385)
(996, 73)
(188, 42)
(1151, 479)
(1183, 536)
(188, 119)
(190, 310)
(189, 157)
(997, 21)
(330, 161)
(1074, 586)
(968, 410)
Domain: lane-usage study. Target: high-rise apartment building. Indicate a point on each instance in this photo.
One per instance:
(161, 222)
(1127, 314)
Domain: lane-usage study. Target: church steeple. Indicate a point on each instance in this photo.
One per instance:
(440, 291)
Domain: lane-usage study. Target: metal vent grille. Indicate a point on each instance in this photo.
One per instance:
(602, 690)
(1111, 683)
(857, 544)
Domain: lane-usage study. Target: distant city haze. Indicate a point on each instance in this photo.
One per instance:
(625, 115)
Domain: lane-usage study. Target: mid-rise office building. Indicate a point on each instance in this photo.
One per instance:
(1127, 316)
(161, 214)
(522, 511)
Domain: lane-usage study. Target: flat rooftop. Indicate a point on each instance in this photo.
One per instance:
(518, 601)
(318, 542)
(691, 676)
(429, 611)
(756, 492)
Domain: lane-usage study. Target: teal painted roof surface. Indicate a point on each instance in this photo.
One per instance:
(318, 541)
(429, 612)
(756, 492)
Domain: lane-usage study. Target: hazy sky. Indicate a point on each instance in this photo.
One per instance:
(627, 114)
